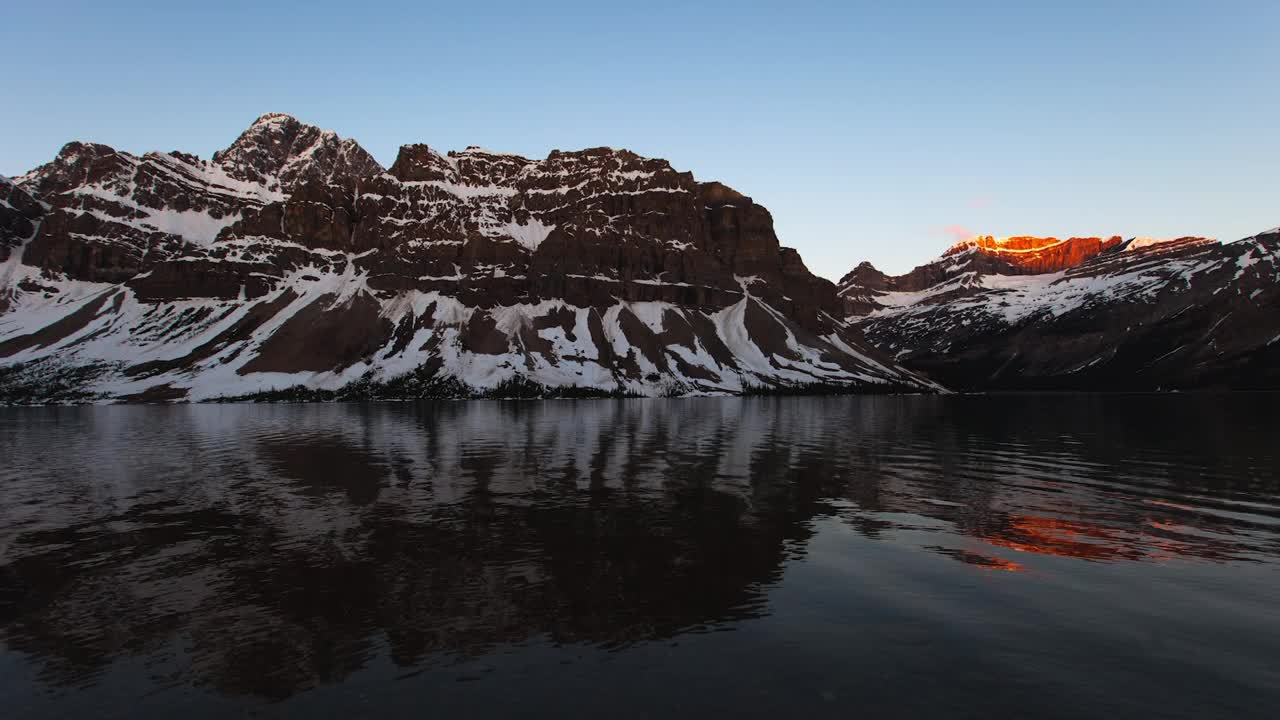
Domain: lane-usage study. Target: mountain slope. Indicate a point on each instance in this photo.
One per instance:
(292, 261)
(1138, 315)
(19, 216)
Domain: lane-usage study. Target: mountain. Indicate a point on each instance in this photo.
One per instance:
(1081, 314)
(292, 265)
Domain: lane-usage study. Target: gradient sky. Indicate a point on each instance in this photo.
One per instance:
(872, 131)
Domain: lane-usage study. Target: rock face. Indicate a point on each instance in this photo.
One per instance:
(19, 213)
(278, 151)
(1025, 255)
(293, 261)
(1084, 314)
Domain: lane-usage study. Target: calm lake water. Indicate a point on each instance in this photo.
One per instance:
(1055, 556)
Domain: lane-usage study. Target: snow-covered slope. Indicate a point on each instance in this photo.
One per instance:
(292, 262)
(1144, 314)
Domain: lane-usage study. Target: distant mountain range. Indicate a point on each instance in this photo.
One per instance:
(1029, 313)
(293, 266)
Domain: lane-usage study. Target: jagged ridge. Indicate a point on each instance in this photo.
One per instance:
(1140, 314)
(293, 259)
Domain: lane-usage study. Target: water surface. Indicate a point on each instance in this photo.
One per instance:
(1056, 556)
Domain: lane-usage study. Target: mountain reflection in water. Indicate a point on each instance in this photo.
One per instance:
(573, 554)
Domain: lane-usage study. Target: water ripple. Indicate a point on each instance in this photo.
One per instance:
(263, 551)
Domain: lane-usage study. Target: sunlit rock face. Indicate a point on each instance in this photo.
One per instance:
(1026, 254)
(1028, 313)
(293, 262)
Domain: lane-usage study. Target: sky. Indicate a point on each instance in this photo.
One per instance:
(872, 131)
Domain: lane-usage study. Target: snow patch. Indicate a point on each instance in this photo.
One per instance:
(529, 235)
(1145, 242)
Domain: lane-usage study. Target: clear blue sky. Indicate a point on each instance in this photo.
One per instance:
(870, 130)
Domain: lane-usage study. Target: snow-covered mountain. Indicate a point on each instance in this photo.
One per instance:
(1081, 314)
(293, 263)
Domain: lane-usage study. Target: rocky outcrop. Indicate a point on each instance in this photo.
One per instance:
(115, 215)
(19, 214)
(1028, 255)
(292, 260)
(278, 151)
(1187, 313)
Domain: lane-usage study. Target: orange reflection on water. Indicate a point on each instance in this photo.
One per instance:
(1065, 538)
(1151, 540)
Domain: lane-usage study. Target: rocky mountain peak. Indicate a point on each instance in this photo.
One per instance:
(478, 166)
(276, 118)
(419, 162)
(77, 164)
(864, 275)
(860, 286)
(278, 150)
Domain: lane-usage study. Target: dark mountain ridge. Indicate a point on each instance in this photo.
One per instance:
(293, 261)
(1133, 315)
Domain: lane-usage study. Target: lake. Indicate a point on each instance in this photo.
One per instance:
(958, 556)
